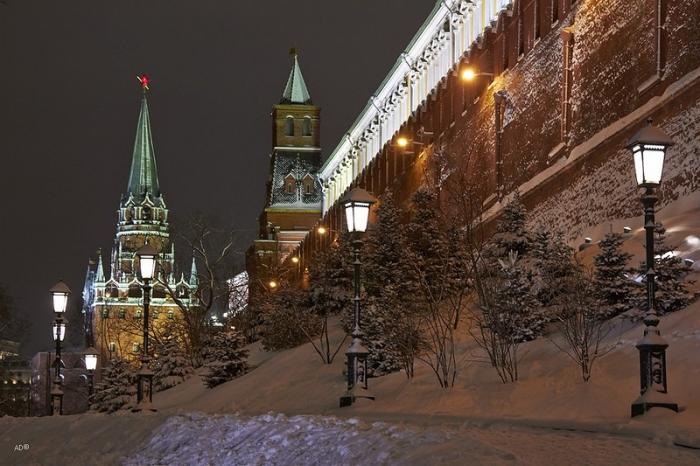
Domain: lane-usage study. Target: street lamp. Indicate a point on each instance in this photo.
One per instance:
(648, 149)
(144, 393)
(59, 297)
(91, 355)
(468, 74)
(357, 204)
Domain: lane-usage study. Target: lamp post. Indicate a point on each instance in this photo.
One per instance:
(59, 294)
(144, 392)
(91, 355)
(648, 148)
(357, 204)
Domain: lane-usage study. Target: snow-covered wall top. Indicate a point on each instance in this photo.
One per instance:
(448, 32)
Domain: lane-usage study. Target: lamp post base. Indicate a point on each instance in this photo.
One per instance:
(652, 399)
(352, 396)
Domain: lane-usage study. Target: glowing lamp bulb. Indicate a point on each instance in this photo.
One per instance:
(273, 284)
(295, 260)
(468, 74)
(402, 141)
(321, 230)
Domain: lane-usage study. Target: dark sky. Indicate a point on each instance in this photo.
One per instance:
(69, 102)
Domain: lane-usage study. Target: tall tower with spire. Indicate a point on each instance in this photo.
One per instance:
(293, 195)
(114, 311)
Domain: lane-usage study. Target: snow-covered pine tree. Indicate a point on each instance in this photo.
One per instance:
(170, 364)
(671, 290)
(511, 232)
(439, 285)
(515, 302)
(553, 265)
(613, 286)
(117, 388)
(387, 286)
(224, 357)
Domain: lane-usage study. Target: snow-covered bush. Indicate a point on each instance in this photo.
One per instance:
(170, 364)
(670, 281)
(612, 283)
(117, 388)
(225, 357)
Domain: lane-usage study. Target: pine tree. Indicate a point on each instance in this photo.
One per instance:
(515, 303)
(170, 365)
(613, 286)
(117, 388)
(511, 232)
(387, 286)
(225, 357)
(671, 290)
(553, 265)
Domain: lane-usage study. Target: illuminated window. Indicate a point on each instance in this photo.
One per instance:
(171, 315)
(136, 348)
(105, 313)
(138, 314)
(112, 347)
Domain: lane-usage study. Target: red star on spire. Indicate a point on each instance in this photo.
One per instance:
(144, 80)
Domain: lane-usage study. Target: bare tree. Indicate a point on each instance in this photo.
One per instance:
(582, 324)
(217, 256)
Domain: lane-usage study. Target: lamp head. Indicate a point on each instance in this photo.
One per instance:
(357, 203)
(648, 147)
(59, 293)
(147, 260)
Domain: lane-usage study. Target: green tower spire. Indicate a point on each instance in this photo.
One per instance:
(295, 92)
(143, 178)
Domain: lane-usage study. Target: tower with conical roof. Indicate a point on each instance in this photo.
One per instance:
(115, 310)
(293, 195)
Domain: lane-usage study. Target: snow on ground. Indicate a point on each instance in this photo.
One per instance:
(319, 440)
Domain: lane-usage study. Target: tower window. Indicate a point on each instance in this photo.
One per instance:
(306, 128)
(122, 313)
(290, 184)
(105, 313)
(112, 347)
(289, 126)
(171, 315)
(136, 348)
(308, 184)
(138, 314)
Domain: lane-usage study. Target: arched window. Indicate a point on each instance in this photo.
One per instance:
(308, 184)
(290, 184)
(112, 291)
(159, 291)
(135, 291)
(289, 126)
(306, 128)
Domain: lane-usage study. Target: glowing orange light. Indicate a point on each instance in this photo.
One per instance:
(295, 260)
(468, 74)
(273, 284)
(321, 230)
(402, 141)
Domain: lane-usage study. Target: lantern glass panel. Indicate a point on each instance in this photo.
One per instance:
(91, 362)
(653, 158)
(148, 266)
(349, 216)
(60, 301)
(59, 331)
(361, 216)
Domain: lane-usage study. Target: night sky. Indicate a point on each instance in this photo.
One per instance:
(69, 102)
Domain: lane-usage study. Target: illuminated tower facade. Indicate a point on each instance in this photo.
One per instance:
(113, 295)
(293, 195)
